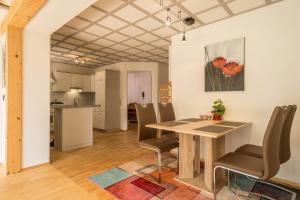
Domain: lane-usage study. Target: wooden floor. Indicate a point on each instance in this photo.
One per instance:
(66, 176)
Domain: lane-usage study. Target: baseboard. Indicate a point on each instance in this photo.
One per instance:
(284, 182)
(36, 166)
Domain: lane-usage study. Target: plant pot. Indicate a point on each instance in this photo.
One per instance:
(217, 117)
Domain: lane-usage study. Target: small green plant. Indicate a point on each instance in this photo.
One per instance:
(218, 108)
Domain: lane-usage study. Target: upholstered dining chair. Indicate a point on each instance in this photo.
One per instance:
(258, 168)
(166, 113)
(147, 137)
(285, 150)
(284, 147)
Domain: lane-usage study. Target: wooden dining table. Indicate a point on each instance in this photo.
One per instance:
(191, 131)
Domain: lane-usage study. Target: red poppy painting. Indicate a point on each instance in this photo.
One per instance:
(224, 66)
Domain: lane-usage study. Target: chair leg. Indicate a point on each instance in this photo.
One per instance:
(215, 195)
(178, 160)
(159, 167)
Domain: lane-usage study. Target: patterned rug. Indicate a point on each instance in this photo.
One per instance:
(246, 184)
(137, 180)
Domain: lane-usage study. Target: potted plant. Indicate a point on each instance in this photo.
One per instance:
(218, 110)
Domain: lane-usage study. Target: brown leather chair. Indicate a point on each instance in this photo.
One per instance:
(258, 168)
(147, 137)
(285, 150)
(166, 113)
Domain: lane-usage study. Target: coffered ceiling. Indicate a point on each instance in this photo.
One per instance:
(112, 31)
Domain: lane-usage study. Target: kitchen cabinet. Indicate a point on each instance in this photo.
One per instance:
(93, 83)
(107, 100)
(62, 82)
(76, 81)
(88, 83)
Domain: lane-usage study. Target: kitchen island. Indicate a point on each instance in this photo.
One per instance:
(73, 126)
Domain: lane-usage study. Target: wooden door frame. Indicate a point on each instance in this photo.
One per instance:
(19, 14)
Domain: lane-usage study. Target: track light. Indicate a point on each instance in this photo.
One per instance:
(79, 60)
(183, 38)
(168, 21)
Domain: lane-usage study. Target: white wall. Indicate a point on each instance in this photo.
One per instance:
(271, 73)
(36, 76)
(3, 12)
(124, 68)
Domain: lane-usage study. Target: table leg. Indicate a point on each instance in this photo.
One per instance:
(197, 153)
(186, 164)
(214, 149)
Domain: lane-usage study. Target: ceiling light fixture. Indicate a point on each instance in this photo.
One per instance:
(189, 21)
(183, 38)
(79, 60)
(168, 21)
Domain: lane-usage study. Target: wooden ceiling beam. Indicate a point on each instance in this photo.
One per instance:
(20, 13)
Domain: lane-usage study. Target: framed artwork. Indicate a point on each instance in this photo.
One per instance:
(225, 66)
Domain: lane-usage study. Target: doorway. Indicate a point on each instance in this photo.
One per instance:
(139, 89)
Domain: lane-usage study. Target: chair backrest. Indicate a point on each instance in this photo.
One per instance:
(271, 142)
(285, 149)
(166, 112)
(145, 115)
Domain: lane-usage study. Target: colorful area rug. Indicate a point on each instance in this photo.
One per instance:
(137, 180)
(241, 182)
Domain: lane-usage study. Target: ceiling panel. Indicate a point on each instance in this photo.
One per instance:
(132, 31)
(149, 23)
(78, 23)
(239, 6)
(213, 15)
(109, 5)
(195, 6)
(117, 37)
(130, 13)
(85, 36)
(111, 31)
(91, 14)
(112, 23)
(97, 30)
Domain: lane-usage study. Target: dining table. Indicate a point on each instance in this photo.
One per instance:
(191, 131)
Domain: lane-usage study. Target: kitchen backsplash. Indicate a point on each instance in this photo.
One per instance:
(68, 98)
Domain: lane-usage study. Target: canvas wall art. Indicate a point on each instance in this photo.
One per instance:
(225, 66)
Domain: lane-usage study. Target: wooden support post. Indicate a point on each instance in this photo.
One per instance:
(19, 14)
(14, 99)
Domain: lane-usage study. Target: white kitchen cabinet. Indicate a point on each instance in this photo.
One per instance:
(93, 83)
(88, 83)
(76, 81)
(100, 93)
(62, 82)
(107, 99)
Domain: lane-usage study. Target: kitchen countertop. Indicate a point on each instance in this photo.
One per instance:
(60, 106)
